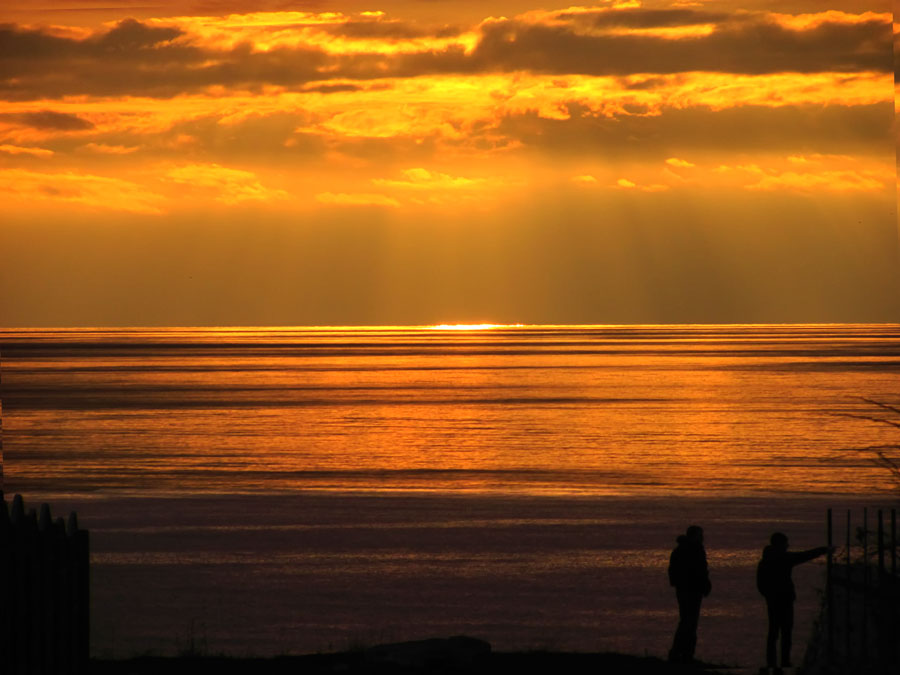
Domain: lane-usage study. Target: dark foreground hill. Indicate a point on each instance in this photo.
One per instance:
(452, 656)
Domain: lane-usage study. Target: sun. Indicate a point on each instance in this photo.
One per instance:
(473, 326)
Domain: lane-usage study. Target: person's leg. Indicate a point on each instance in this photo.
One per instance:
(676, 653)
(685, 640)
(772, 634)
(787, 628)
(692, 616)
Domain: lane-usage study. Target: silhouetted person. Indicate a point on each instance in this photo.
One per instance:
(689, 574)
(773, 579)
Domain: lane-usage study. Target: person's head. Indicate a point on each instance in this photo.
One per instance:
(694, 534)
(779, 541)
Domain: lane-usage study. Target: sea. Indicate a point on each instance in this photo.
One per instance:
(260, 491)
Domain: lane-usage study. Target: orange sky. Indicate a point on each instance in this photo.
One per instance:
(412, 161)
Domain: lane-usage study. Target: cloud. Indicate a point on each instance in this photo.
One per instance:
(336, 88)
(29, 188)
(747, 46)
(131, 35)
(625, 184)
(18, 150)
(236, 102)
(423, 179)
(832, 129)
(356, 199)
(679, 163)
(49, 119)
(230, 186)
(379, 27)
(814, 173)
(418, 123)
(104, 149)
(831, 181)
(181, 55)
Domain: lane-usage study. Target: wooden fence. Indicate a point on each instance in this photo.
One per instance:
(44, 592)
(859, 628)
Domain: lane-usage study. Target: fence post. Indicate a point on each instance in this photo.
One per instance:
(894, 583)
(81, 594)
(18, 640)
(849, 594)
(35, 592)
(6, 589)
(894, 542)
(829, 596)
(51, 562)
(63, 625)
(865, 589)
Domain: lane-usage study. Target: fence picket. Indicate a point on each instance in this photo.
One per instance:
(44, 592)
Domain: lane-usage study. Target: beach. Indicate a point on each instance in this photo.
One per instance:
(318, 573)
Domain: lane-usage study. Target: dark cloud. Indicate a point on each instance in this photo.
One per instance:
(803, 6)
(332, 88)
(20, 45)
(129, 39)
(645, 18)
(129, 35)
(897, 57)
(136, 59)
(746, 47)
(398, 30)
(49, 119)
(802, 129)
(162, 72)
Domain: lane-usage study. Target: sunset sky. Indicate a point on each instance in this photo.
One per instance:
(442, 161)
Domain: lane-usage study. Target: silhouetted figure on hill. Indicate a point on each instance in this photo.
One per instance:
(773, 580)
(689, 574)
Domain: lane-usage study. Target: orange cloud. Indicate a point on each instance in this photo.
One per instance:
(423, 179)
(356, 199)
(832, 181)
(809, 173)
(104, 149)
(625, 184)
(19, 150)
(230, 186)
(28, 188)
(295, 50)
(584, 179)
(805, 22)
(450, 108)
(331, 32)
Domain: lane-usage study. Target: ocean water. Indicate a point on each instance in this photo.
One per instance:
(292, 490)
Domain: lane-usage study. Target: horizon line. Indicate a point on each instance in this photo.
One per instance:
(462, 326)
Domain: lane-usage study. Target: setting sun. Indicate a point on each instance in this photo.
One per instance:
(473, 326)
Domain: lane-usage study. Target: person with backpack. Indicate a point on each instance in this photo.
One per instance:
(773, 581)
(689, 574)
